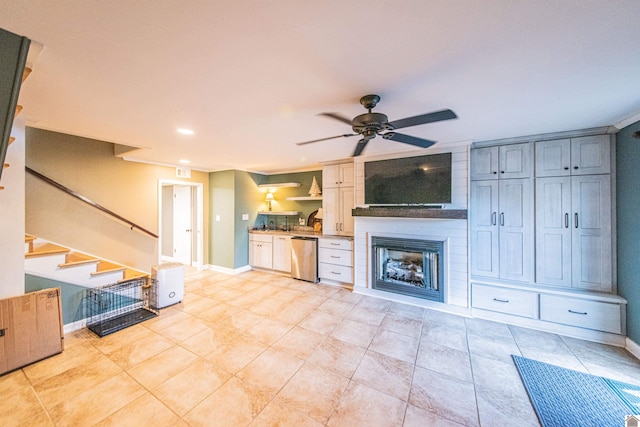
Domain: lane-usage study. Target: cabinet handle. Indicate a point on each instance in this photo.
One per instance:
(493, 218)
(338, 273)
(575, 218)
(583, 313)
(337, 228)
(501, 171)
(341, 227)
(566, 220)
(566, 168)
(502, 219)
(495, 173)
(576, 167)
(334, 256)
(501, 300)
(335, 244)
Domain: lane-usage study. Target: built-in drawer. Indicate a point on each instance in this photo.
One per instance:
(335, 272)
(267, 238)
(344, 244)
(336, 256)
(601, 316)
(505, 300)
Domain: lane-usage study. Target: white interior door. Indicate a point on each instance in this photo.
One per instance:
(182, 224)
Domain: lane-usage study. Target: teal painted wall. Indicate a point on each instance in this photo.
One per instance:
(248, 200)
(221, 222)
(628, 225)
(72, 300)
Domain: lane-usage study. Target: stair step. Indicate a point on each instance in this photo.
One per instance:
(78, 258)
(108, 267)
(130, 274)
(43, 249)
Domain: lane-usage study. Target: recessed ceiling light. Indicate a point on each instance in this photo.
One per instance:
(185, 162)
(185, 131)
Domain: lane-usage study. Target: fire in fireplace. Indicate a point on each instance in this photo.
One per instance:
(408, 266)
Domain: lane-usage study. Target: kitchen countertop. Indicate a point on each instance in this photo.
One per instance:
(298, 233)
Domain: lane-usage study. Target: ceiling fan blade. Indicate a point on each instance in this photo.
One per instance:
(423, 119)
(407, 139)
(325, 139)
(360, 147)
(338, 117)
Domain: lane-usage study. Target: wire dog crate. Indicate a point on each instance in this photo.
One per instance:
(111, 308)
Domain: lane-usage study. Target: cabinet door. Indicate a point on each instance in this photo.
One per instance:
(484, 228)
(553, 231)
(516, 161)
(553, 158)
(261, 255)
(516, 229)
(346, 206)
(346, 174)
(591, 155)
(484, 163)
(331, 176)
(591, 241)
(282, 253)
(331, 211)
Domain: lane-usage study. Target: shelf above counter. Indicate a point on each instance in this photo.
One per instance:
(280, 185)
(280, 213)
(319, 198)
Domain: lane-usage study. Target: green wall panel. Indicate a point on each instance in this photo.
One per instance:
(628, 225)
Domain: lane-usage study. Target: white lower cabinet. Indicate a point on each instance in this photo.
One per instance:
(597, 315)
(261, 251)
(271, 252)
(597, 312)
(282, 253)
(335, 260)
(505, 300)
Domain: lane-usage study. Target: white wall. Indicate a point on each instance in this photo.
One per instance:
(12, 246)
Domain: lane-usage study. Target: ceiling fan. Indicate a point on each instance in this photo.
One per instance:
(370, 124)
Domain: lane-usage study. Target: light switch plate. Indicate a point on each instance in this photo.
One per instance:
(245, 217)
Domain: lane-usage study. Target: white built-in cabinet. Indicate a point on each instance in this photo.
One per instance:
(282, 253)
(501, 217)
(338, 199)
(541, 246)
(573, 232)
(270, 251)
(587, 155)
(261, 250)
(502, 162)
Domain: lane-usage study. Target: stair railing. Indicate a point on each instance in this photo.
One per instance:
(89, 201)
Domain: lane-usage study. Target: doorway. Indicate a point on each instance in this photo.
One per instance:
(180, 219)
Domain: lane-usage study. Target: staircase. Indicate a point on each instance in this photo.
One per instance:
(52, 261)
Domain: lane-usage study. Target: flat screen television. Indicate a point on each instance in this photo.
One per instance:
(422, 180)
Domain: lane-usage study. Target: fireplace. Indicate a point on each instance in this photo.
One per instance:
(408, 266)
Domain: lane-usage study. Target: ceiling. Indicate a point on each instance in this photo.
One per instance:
(249, 77)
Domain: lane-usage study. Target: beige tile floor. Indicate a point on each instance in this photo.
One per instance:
(265, 350)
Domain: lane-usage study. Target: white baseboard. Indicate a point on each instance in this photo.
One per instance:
(228, 270)
(633, 348)
(74, 326)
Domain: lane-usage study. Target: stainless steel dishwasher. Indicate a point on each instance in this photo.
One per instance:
(304, 258)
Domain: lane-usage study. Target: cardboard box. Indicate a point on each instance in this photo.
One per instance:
(30, 328)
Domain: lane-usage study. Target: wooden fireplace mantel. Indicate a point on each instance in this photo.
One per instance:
(410, 212)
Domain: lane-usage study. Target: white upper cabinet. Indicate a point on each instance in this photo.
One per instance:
(585, 155)
(340, 175)
(502, 162)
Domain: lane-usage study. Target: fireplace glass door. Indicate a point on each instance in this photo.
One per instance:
(413, 271)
